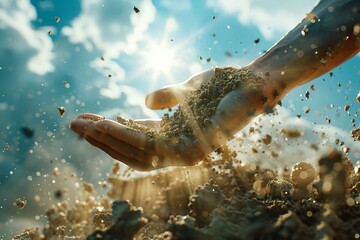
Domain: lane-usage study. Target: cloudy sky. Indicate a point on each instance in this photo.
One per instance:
(101, 56)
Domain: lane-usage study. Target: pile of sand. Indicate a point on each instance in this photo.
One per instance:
(234, 201)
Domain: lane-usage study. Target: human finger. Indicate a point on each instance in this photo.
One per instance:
(123, 133)
(117, 145)
(163, 98)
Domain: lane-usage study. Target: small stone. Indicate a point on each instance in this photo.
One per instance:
(136, 10)
(20, 203)
(61, 111)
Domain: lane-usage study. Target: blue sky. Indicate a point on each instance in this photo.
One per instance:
(34, 66)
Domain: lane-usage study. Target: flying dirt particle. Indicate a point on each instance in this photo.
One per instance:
(274, 154)
(88, 187)
(346, 108)
(291, 133)
(228, 54)
(19, 203)
(213, 17)
(312, 87)
(136, 10)
(28, 132)
(109, 75)
(358, 98)
(208, 59)
(307, 110)
(307, 94)
(251, 130)
(57, 19)
(314, 146)
(66, 84)
(58, 194)
(312, 17)
(115, 168)
(6, 148)
(346, 149)
(331, 74)
(102, 58)
(304, 30)
(50, 32)
(61, 110)
(256, 41)
(355, 134)
(267, 139)
(56, 172)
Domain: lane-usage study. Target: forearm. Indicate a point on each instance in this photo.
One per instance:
(322, 41)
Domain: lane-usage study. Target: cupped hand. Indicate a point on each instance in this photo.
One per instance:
(134, 147)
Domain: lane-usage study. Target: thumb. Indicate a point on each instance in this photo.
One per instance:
(163, 98)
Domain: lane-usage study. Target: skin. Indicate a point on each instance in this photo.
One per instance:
(330, 38)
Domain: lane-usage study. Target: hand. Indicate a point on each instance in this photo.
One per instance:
(134, 147)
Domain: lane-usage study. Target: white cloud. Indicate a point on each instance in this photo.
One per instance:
(272, 17)
(111, 27)
(17, 15)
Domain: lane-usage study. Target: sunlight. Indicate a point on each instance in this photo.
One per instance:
(160, 59)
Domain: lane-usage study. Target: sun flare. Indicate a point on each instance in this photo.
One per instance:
(161, 60)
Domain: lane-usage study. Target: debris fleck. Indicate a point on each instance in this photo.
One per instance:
(28, 132)
(355, 134)
(304, 31)
(19, 203)
(256, 41)
(61, 110)
(136, 10)
(312, 17)
(57, 19)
